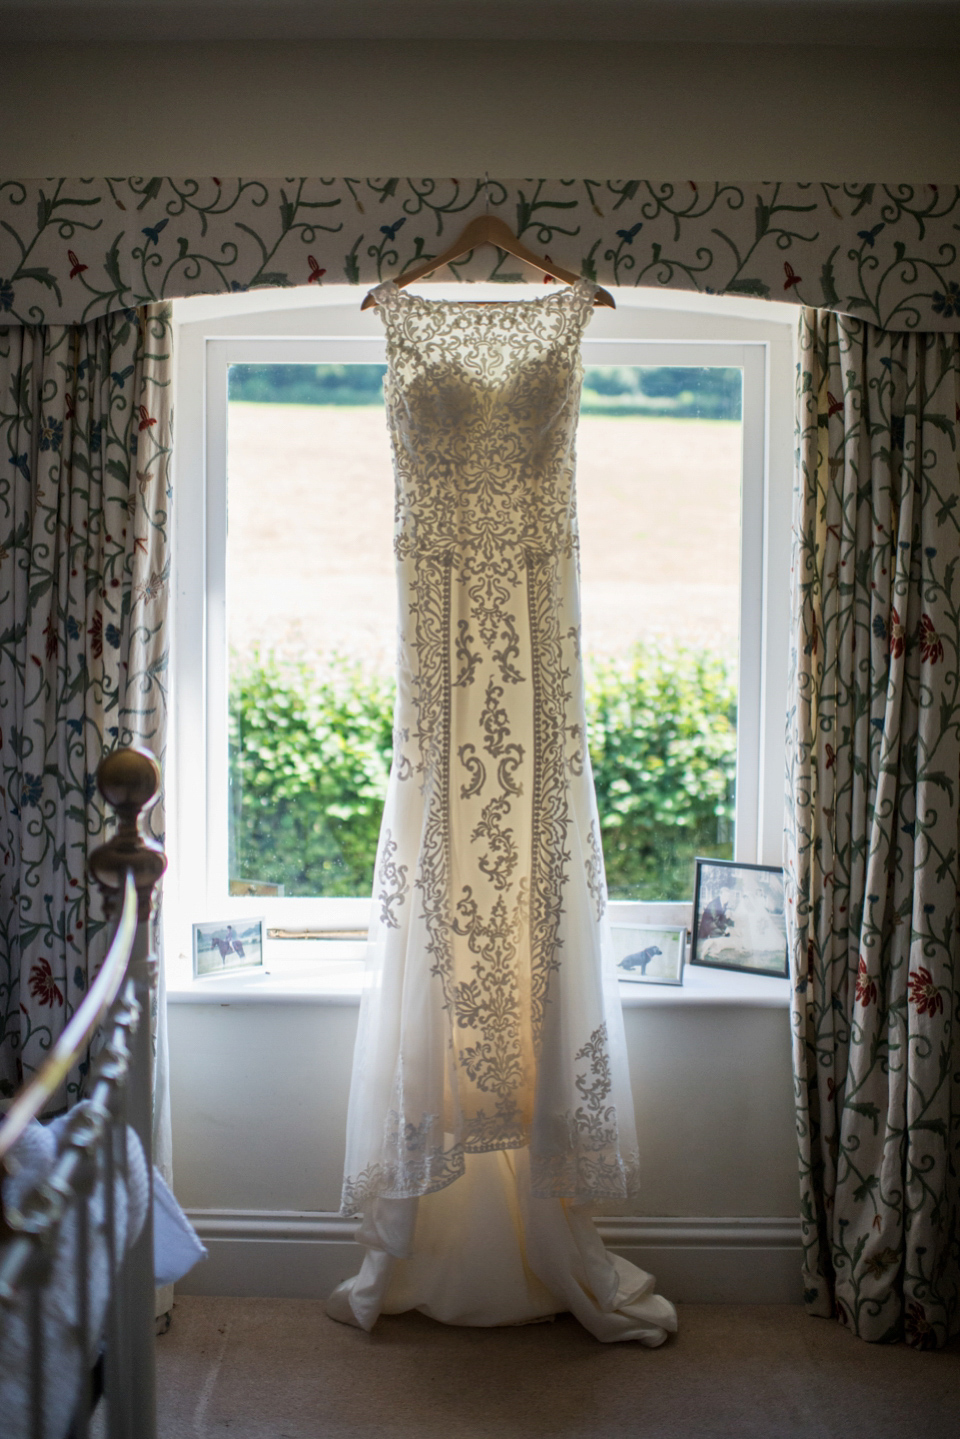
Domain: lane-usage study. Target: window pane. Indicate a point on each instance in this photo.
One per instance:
(658, 489)
(311, 618)
(312, 621)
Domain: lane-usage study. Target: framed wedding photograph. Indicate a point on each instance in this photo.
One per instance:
(648, 953)
(738, 918)
(226, 947)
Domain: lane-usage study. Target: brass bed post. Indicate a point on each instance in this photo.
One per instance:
(129, 780)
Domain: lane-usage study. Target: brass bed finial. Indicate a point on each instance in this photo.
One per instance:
(129, 780)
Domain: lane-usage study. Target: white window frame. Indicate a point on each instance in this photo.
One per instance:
(647, 328)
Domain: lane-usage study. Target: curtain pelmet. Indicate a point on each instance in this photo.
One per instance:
(872, 826)
(85, 421)
(885, 252)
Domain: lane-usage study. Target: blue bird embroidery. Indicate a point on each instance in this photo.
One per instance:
(152, 232)
(391, 230)
(120, 377)
(868, 236)
(630, 235)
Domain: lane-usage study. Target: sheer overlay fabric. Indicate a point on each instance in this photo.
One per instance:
(490, 1099)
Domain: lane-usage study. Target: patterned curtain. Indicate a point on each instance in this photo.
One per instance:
(74, 249)
(872, 837)
(84, 495)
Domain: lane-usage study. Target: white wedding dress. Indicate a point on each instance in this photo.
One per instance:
(490, 1105)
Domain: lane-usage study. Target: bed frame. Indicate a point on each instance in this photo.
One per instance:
(119, 1092)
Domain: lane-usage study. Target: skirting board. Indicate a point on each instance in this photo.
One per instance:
(276, 1254)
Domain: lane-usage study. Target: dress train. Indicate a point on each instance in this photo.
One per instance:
(484, 1251)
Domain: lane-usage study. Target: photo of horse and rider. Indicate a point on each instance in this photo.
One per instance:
(221, 948)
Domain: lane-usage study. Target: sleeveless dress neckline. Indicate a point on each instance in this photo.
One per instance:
(580, 286)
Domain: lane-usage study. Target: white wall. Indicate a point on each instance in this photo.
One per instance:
(259, 1098)
(260, 1105)
(550, 108)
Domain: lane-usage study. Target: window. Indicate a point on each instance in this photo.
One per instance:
(286, 610)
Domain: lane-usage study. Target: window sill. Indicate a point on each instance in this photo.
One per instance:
(332, 974)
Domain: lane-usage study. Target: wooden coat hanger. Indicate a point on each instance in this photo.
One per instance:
(490, 230)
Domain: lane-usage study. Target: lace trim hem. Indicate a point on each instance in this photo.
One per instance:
(583, 1177)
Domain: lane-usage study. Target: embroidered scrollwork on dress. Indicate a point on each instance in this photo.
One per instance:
(393, 881)
(593, 1160)
(480, 904)
(596, 879)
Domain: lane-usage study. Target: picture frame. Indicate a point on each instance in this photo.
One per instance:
(226, 946)
(649, 953)
(738, 918)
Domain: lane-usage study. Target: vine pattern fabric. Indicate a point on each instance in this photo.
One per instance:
(73, 249)
(85, 418)
(873, 807)
(490, 1023)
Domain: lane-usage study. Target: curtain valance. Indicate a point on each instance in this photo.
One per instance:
(72, 250)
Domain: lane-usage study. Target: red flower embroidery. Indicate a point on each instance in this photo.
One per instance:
(896, 635)
(866, 988)
(43, 987)
(931, 645)
(924, 993)
(146, 419)
(918, 1330)
(52, 641)
(96, 635)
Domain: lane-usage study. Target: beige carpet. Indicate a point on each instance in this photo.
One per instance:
(279, 1369)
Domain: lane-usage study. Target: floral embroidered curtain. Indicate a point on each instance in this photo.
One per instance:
(85, 415)
(74, 249)
(873, 807)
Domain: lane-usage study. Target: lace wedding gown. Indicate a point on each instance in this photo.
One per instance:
(490, 1103)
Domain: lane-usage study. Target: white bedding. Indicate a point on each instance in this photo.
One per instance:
(176, 1250)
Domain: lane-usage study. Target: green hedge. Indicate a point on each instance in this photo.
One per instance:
(309, 758)
(663, 745)
(310, 754)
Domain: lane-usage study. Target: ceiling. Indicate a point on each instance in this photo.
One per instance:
(924, 23)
